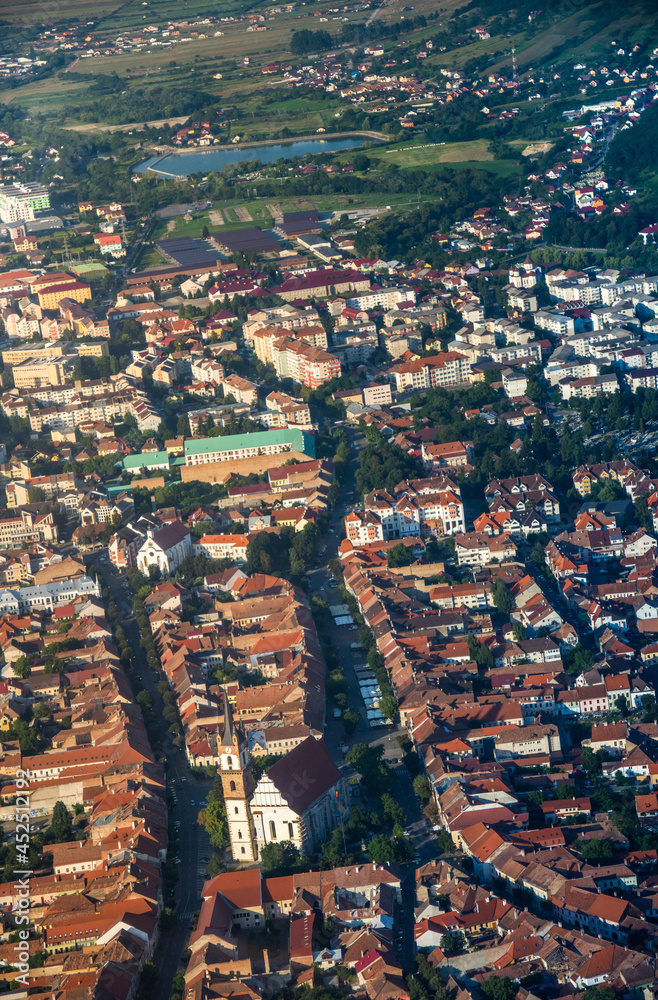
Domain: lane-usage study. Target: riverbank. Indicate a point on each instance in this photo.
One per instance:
(182, 163)
(323, 137)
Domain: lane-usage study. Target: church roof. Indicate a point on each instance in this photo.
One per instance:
(304, 774)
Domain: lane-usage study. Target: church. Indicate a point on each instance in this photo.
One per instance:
(301, 798)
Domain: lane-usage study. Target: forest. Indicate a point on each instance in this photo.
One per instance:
(632, 152)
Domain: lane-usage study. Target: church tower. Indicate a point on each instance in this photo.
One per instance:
(238, 785)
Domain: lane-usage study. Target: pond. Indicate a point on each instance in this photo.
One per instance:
(205, 160)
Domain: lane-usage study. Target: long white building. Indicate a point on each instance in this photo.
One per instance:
(46, 596)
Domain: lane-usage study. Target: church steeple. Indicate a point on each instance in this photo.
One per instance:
(238, 786)
(228, 734)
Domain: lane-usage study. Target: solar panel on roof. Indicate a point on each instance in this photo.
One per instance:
(250, 238)
(311, 215)
(188, 252)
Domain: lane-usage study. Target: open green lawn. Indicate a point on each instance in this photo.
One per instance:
(150, 257)
(412, 155)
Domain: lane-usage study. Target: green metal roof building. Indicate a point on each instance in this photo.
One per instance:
(236, 446)
(92, 269)
(147, 460)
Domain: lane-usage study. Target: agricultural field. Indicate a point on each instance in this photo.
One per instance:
(27, 14)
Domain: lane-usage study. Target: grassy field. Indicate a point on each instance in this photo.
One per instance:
(132, 15)
(45, 96)
(450, 156)
(428, 156)
(30, 13)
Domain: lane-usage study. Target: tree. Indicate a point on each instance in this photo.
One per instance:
(591, 762)
(305, 41)
(599, 993)
(452, 942)
(23, 667)
(213, 816)
(445, 841)
(388, 705)
(480, 653)
(498, 988)
(400, 555)
(61, 825)
(367, 760)
(501, 598)
(282, 857)
(350, 722)
(384, 849)
(422, 787)
(597, 852)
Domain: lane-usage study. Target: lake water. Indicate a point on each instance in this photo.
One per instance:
(203, 161)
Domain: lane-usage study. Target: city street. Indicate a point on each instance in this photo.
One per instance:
(321, 583)
(193, 839)
(193, 842)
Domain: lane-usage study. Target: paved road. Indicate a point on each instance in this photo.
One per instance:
(193, 842)
(321, 583)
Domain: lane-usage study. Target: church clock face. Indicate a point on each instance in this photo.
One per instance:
(228, 750)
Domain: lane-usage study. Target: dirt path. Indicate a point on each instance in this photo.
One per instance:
(131, 126)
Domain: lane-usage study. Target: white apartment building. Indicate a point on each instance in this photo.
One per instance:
(451, 368)
(586, 388)
(207, 370)
(222, 547)
(387, 298)
(46, 596)
(571, 370)
(19, 202)
(26, 528)
(384, 517)
(516, 351)
(476, 548)
(556, 323)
